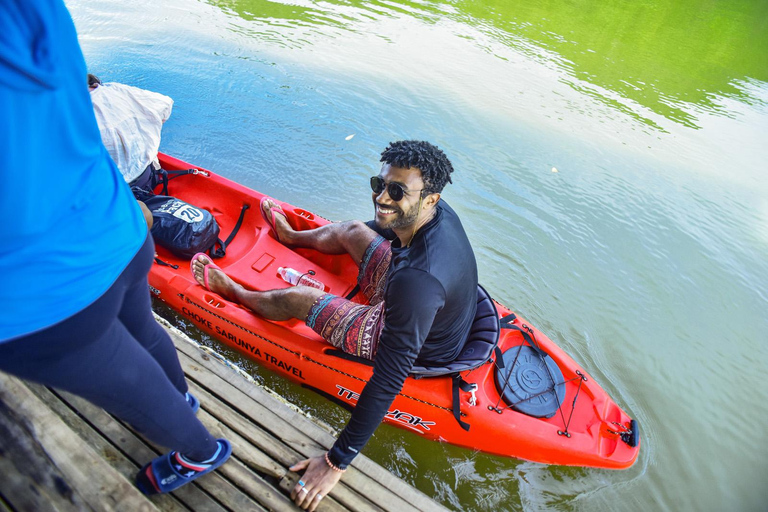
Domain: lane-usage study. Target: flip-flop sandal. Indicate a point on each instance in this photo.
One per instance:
(193, 402)
(275, 210)
(206, 267)
(172, 470)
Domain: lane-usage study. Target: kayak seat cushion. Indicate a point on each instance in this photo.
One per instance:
(478, 348)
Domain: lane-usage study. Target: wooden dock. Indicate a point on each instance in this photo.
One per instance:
(59, 452)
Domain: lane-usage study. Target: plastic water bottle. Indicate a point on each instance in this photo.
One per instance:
(297, 278)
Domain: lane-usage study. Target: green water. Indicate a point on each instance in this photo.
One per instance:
(643, 255)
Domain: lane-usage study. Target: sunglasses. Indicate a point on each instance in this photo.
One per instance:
(395, 190)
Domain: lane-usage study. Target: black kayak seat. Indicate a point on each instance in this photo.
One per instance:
(478, 349)
(479, 345)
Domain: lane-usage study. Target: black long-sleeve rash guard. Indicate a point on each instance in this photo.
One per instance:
(431, 297)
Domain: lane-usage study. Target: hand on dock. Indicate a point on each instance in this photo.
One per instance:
(317, 481)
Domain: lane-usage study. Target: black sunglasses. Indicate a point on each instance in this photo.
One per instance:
(395, 190)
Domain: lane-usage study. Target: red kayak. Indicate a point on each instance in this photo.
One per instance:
(512, 392)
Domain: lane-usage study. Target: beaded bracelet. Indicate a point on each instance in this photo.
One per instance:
(335, 468)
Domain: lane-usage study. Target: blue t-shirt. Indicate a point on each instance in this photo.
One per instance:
(69, 224)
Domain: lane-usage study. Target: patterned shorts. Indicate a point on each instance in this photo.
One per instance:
(349, 326)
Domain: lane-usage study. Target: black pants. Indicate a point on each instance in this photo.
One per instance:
(114, 354)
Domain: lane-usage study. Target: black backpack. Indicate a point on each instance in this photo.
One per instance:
(178, 226)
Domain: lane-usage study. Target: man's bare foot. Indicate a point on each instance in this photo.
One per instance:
(283, 229)
(218, 281)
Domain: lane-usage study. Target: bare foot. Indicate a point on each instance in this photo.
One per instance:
(218, 281)
(282, 227)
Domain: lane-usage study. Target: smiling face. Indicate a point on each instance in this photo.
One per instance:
(402, 214)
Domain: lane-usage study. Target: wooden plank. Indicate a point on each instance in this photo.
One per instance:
(71, 455)
(249, 454)
(370, 479)
(225, 491)
(248, 429)
(215, 484)
(266, 415)
(110, 452)
(256, 487)
(277, 448)
(267, 437)
(251, 461)
(137, 450)
(327, 504)
(29, 480)
(311, 429)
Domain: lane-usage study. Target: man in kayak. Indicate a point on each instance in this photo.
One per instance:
(417, 269)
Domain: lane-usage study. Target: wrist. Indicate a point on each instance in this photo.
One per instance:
(335, 467)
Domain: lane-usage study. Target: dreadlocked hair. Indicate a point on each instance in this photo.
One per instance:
(435, 167)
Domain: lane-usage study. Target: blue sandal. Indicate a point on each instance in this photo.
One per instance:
(193, 402)
(172, 470)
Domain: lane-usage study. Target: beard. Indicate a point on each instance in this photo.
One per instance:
(401, 218)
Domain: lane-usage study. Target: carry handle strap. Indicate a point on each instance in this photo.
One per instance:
(506, 321)
(162, 176)
(526, 335)
(460, 383)
(221, 251)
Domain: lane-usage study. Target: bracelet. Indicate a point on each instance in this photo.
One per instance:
(335, 468)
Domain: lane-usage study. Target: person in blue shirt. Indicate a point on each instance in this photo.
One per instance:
(75, 309)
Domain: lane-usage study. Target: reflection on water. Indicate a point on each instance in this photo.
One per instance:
(643, 257)
(664, 56)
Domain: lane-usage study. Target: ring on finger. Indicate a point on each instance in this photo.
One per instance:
(301, 483)
(304, 490)
(318, 496)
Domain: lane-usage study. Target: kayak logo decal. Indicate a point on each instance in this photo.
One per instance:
(531, 377)
(397, 415)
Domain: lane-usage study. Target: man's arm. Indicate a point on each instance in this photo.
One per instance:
(413, 298)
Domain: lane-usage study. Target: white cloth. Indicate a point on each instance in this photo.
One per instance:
(130, 120)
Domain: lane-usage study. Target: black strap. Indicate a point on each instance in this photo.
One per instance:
(349, 357)
(459, 383)
(165, 263)
(506, 322)
(221, 251)
(161, 176)
(353, 292)
(499, 356)
(527, 336)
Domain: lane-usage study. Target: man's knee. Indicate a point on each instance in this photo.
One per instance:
(359, 230)
(358, 236)
(358, 233)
